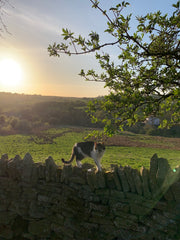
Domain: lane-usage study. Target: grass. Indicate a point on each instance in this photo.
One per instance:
(63, 139)
(137, 157)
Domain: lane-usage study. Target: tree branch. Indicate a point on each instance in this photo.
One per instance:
(55, 49)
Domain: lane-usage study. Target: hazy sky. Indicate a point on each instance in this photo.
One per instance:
(34, 24)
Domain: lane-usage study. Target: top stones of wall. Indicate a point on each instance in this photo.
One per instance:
(150, 183)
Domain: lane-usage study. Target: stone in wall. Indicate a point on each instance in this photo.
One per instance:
(123, 179)
(51, 169)
(27, 166)
(161, 177)
(145, 183)
(153, 173)
(130, 179)
(137, 181)
(3, 165)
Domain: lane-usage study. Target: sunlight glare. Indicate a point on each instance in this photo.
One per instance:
(10, 73)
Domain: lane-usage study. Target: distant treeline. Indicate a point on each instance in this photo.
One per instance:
(30, 114)
(145, 128)
(21, 113)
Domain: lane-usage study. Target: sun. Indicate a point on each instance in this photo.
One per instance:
(10, 73)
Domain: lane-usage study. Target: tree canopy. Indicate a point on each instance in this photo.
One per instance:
(145, 79)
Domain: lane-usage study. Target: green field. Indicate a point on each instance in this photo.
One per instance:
(58, 144)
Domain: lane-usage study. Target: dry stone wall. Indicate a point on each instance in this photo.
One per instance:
(44, 201)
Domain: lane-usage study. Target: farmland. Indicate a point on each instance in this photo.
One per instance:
(49, 126)
(30, 114)
(123, 149)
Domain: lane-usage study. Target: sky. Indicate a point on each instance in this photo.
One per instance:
(34, 24)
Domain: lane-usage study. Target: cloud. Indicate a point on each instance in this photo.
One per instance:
(33, 19)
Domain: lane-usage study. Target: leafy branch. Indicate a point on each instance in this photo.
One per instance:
(147, 79)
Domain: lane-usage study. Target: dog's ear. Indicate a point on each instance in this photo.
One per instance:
(95, 145)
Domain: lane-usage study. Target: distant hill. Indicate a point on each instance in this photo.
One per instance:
(11, 101)
(20, 113)
(29, 114)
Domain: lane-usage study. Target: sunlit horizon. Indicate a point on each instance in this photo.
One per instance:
(24, 78)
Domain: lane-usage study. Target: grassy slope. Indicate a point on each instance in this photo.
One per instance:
(64, 139)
